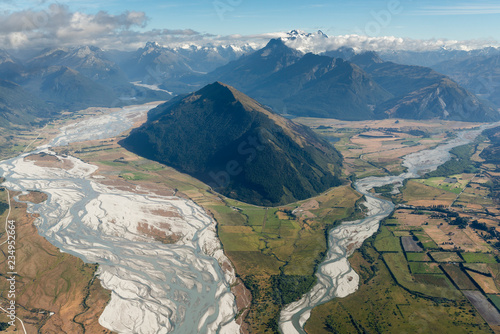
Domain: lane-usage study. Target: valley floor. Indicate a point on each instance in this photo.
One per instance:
(434, 263)
(421, 272)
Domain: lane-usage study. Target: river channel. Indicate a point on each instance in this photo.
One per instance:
(177, 287)
(335, 277)
(156, 287)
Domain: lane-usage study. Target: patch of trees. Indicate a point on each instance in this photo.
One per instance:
(461, 222)
(460, 163)
(384, 189)
(483, 227)
(3, 207)
(252, 285)
(492, 153)
(479, 226)
(290, 288)
(413, 132)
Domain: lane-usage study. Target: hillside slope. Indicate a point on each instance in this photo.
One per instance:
(238, 147)
(422, 93)
(19, 107)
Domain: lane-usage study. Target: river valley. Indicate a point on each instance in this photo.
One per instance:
(174, 286)
(335, 277)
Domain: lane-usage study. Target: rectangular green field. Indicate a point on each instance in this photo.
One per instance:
(385, 241)
(479, 258)
(424, 268)
(401, 233)
(459, 277)
(426, 241)
(439, 182)
(152, 167)
(433, 280)
(227, 216)
(273, 222)
(417, 257)
(234, 242)
(391, 221)
(495, 299)
(435, 285)
(255, 216)
(446, 257)
(404, 229)
(113, 163)
(135, 176)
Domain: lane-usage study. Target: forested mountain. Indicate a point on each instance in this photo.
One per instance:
(239, 147)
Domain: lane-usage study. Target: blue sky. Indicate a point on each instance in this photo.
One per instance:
(456, 20)
(407, 18)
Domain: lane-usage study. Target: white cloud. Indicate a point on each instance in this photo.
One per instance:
(470, 9)
(56, 25)
(317, 43)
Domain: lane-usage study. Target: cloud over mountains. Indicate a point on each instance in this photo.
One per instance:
(319, 42)
(57, 25)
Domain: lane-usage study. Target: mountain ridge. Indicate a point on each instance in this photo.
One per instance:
(422, 93)
(237, 146)
(361, 88)
(19, 107)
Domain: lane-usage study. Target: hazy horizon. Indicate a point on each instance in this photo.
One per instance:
(128, 25)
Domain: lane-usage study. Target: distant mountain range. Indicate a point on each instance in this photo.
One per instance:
(239, 147)
(479, 74)
(80, 77)
(475, 70)
(363, 87)
(93, 64)
(478, 71)
(344, 83)
(65, 79)
(303, 85)
(422, 93)
(19, 107)
(175, 69)
(433, 57)
(10, 67)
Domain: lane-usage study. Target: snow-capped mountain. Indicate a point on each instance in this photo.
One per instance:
(404, 50)
(299, 34)
(306, 42)
(206, 58)
(359, 88)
